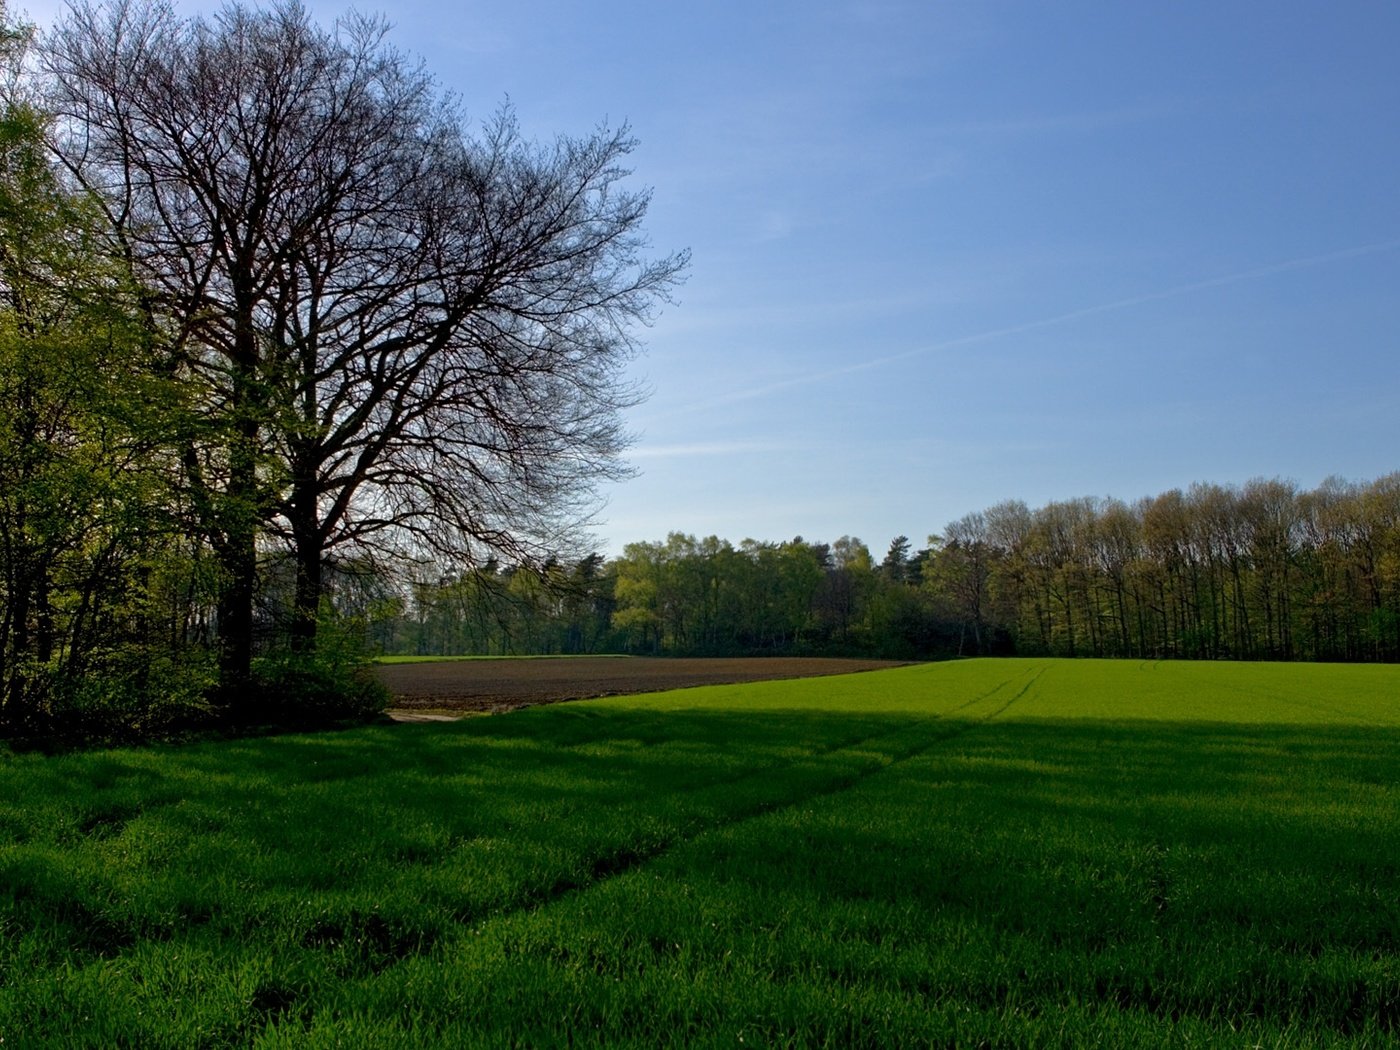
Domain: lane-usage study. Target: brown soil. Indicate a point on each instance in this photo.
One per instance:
(466, 686)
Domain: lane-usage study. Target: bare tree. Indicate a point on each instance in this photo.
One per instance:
(399, 335)
(964, 562)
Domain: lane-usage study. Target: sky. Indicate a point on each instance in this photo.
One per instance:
(948, 254)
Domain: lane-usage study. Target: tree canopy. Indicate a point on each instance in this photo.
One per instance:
(384, 333)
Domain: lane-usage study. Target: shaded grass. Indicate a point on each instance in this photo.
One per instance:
(1009, 853)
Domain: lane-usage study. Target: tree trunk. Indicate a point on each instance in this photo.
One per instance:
(309, 556)
(238, 554)
(305, 616)
(16, 687)
(239, 562)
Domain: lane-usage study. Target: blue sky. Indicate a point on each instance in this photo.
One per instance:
(946, 254)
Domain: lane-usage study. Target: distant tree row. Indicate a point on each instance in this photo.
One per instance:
(1262, 571)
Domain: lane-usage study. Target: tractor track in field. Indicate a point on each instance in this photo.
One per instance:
(621, 861)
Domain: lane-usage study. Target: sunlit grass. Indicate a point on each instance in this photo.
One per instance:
(1011, 853)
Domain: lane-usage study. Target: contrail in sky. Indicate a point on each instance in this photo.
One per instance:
(1048, 322)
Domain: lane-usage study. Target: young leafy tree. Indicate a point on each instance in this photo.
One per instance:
(84, 508)
(409, 337)
(639, 590)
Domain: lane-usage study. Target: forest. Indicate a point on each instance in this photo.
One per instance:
(1262, 571)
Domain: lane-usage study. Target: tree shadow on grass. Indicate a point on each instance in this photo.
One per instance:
(1090, 844)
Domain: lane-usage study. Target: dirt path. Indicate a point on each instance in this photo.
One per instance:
(444, 689)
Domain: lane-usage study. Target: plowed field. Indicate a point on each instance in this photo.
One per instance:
(503, 685)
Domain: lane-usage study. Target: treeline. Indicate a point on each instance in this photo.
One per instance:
(1261, 571)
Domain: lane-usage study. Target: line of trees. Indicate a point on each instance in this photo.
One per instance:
(269, 312)
(1263, 571)
(1260, 571)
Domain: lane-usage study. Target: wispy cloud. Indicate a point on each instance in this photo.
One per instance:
(992, 334)
(706, 448)
(775, 224)
(1081, 122)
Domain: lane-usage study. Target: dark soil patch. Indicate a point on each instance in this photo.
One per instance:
(503, 685)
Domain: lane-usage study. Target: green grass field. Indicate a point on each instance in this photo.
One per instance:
(987, 853)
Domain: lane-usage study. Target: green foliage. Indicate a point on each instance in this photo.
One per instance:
(132, 694)
(499, 611)
(1000, 853)
(302, 691)
(705, 597)
(333, 683)
(87, 515)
